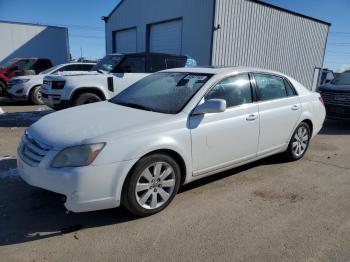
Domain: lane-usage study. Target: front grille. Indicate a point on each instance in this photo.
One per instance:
(336, 98)
(31, 151)
(9, 85)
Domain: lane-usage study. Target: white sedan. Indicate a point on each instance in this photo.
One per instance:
(166, 130)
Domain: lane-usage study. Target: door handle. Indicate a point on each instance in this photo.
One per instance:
(251, 117)
(295, 107)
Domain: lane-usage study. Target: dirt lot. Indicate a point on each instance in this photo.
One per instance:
(266, 211)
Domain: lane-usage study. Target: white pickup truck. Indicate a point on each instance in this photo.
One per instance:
(112, 74)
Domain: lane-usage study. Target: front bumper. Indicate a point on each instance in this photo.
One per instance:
(17, 96)
(54, 101)
(13, 92)
(86, 188)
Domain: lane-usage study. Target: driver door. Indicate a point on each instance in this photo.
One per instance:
(221, 140)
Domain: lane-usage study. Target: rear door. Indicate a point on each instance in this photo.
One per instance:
(279, 111)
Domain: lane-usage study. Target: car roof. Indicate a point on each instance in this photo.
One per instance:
(78, 63)
(222, 70)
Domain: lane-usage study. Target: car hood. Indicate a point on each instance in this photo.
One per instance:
(72, 75)
(77, 73)
(85, 124)
(336, 88)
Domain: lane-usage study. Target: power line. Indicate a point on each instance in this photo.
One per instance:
(86, 36)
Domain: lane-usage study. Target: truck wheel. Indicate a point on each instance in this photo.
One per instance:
(35, 95)
(2, 88)
(86, 98)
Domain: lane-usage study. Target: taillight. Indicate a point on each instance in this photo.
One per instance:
(321, 99)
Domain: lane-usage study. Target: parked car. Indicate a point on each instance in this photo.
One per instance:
(336, 96)
(111, 75)
(168, 129)
(21, 66)
(29, 87)
(326, 76)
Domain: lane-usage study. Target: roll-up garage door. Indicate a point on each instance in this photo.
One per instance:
(125, 41)
(166, 37)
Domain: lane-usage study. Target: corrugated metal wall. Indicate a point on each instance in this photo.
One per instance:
(197, 20)
(252, 34)
(26, 40)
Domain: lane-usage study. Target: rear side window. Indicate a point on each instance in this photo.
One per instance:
(41, 65)
(236, 90)
(156, 63)
(132, 65)
(270, 87)
(86, 67)
(175, 62)
(69, 68)
(289, 88)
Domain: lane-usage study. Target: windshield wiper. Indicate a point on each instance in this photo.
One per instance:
(134, 105)
(101, 71)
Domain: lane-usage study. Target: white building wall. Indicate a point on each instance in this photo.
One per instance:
(197, 21)
(253, 34)
(26, 40)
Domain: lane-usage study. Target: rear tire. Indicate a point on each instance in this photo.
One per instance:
(86, 98)
(299, 143)
(35, 95)
(151, 185)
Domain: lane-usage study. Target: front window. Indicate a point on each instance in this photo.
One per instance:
(235, 90)
(26, 64)
(51, 69)
(9, 63)
(165, 92)
(108, 63)
(343, 79)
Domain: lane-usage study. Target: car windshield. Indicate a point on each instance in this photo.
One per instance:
(163, 92)
(8, 63)
(343, 79)
(51, 69)
(108, 63)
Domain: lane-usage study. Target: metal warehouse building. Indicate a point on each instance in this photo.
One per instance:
(19, 40)
(222, 33)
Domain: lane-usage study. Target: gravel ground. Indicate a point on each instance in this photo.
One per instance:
(266, 211)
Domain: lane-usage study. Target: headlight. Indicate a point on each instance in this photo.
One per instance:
(77, 156)
(19, 81)
(57, 84)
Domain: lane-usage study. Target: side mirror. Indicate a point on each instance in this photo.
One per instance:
(210, 106)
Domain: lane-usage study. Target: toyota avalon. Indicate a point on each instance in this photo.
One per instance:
(168, 129)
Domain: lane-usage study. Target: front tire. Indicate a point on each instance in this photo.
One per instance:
(86, 98)
(35, 96)
(299, 142)
(151, 185)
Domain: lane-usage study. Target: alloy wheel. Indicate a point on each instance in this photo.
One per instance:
(155, 185)
(300, 141)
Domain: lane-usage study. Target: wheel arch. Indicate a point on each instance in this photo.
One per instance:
(81, 90)
(167, 151)
(30, 90)
(310, 124)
